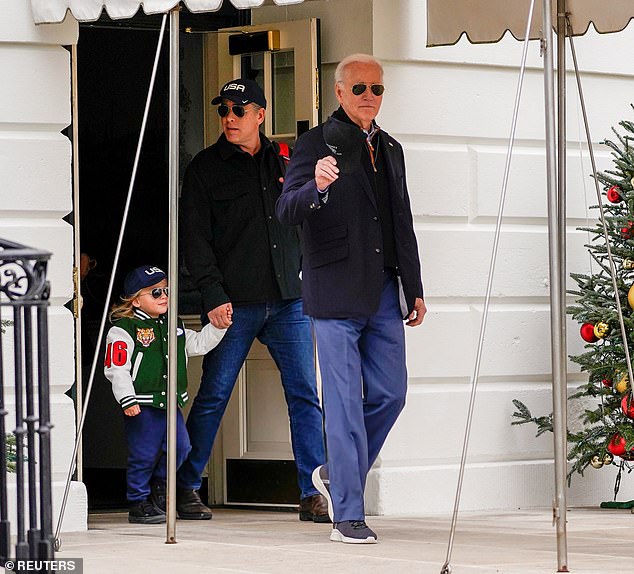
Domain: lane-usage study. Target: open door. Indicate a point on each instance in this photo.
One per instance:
(253, 462)
(288, 73)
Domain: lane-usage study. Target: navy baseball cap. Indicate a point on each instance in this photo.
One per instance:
(140, 278)
(241, 91)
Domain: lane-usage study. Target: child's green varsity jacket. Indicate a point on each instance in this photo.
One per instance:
(136, 358)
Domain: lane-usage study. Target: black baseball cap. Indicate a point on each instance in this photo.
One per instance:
(241, 91)
(140, 278)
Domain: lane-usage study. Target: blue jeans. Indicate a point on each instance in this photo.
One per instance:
(286, 332)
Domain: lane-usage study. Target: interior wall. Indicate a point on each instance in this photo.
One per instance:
(346, 28)
(115, 65)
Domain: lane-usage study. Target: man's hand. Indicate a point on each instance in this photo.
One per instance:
(326, 172)
(132, 411)
(220, 317)
(417, 315)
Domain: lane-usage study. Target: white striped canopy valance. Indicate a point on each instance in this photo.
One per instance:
(53, 11)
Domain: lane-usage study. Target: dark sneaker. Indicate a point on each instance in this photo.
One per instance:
(158, 494)
(353, 532)
(189, 505)
(145, 512)
(314, 508)
(322, 484)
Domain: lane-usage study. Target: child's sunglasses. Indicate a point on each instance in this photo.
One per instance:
(376, 89)
(237, 109)
(158, 291)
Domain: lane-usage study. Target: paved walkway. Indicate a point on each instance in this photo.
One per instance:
(238, 541)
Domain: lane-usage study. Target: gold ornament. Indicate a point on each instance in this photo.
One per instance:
(607, 459)
(623, 384)
(630, 296)
(601, 329)
(595, 461)
(628, 264)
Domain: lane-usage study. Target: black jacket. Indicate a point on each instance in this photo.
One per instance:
(342, 238)
(235, 248)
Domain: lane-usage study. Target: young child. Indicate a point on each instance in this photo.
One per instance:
(136, 365)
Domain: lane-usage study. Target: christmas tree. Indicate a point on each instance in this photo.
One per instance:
(604, 432)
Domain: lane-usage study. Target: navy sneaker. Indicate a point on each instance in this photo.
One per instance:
(353, 532)
(322, 484)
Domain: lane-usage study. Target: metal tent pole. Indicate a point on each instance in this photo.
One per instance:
(447, 567)
(556, 244)
(172, 362)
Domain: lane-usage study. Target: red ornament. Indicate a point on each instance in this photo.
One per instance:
(587, 333)
(626, 231)
(616, 445)
(607, 382)
(627, 407)
(613, 194)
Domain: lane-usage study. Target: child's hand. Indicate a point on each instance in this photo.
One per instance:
(132, 411)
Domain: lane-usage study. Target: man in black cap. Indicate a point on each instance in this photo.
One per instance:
(246, 266)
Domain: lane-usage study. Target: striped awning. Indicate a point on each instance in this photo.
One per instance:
(486, 21)
(54, 11)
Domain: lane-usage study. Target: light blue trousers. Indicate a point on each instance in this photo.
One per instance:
(362, 364)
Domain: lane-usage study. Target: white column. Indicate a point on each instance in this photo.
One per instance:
(35, 163)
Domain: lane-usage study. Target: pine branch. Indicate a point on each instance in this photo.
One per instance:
(524, 416)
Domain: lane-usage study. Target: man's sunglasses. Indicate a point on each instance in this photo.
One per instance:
(157, 292)
(376, 89)
(237, 109)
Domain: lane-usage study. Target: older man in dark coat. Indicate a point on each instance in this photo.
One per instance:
(361, 280)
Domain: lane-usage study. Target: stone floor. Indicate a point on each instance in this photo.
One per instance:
(241, 541)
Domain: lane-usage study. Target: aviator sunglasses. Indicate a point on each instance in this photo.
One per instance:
(157, 292)
(376, 89)
(237, 109)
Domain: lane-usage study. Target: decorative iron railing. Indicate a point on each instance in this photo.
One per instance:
(24, 294)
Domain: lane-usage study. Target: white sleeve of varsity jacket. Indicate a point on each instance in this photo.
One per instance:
(203, 341)
(118, 366)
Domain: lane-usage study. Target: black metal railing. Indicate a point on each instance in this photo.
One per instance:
(24, 294)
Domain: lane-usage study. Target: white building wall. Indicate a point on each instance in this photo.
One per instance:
(35, 169)
(452, 108)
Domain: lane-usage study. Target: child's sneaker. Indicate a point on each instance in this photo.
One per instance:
(145, 512)
(158, 494)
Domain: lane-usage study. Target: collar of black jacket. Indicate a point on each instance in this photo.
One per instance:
(227, 149)
(341, 115)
